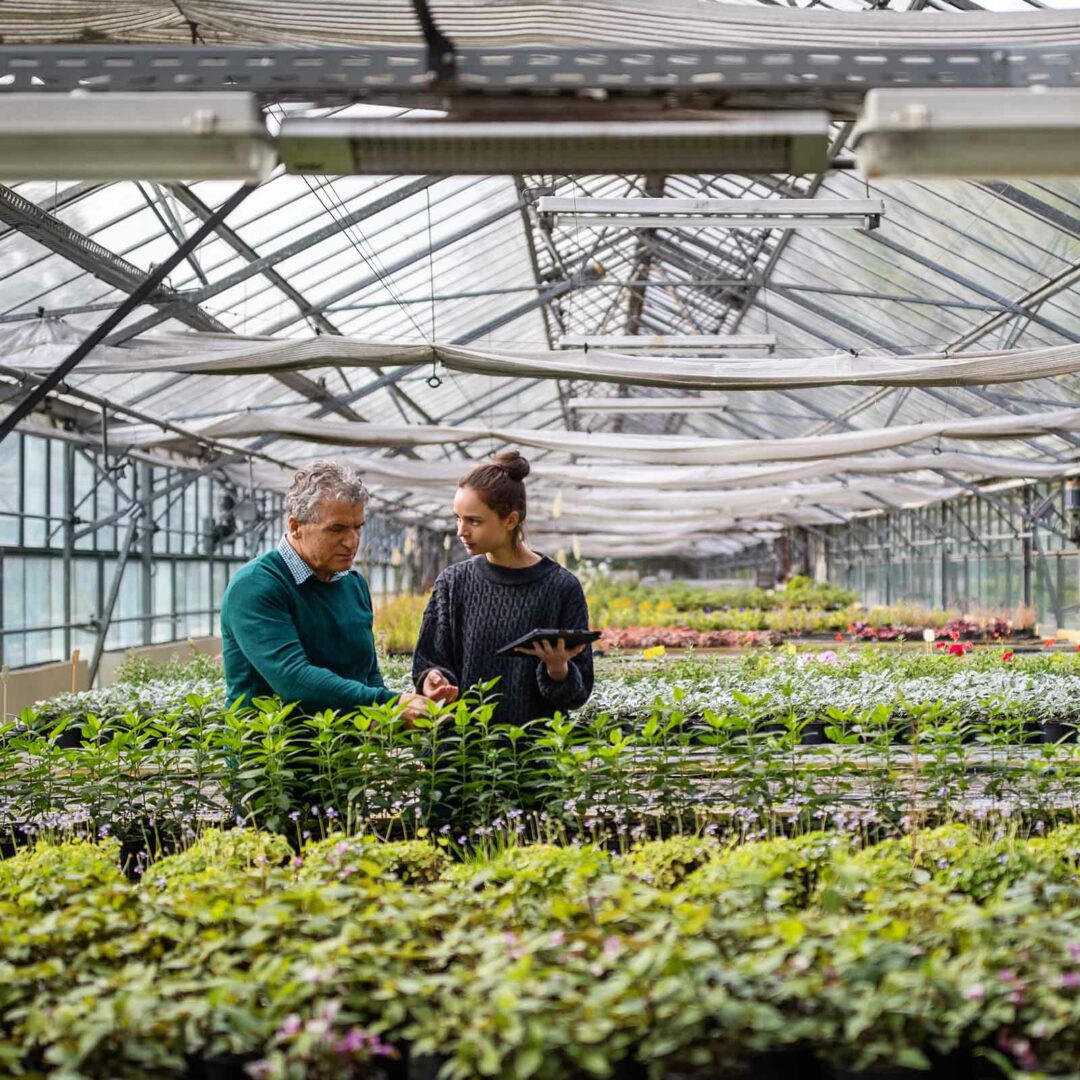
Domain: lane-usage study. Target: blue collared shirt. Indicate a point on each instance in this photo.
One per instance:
(297, 567)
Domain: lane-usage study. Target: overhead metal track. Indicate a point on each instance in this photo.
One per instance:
(359, 72)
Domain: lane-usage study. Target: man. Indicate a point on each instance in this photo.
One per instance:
(297, 622)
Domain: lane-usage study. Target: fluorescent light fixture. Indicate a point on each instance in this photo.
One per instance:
(712, 213)
(744, 141)
(667, 342)
(710, 403)
(981, 133)
(141, 136)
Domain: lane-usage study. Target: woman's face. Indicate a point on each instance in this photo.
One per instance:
(479, 528)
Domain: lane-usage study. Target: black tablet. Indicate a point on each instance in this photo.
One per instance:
(570, 637)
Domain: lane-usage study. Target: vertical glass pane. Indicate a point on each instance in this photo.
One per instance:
(163, 601)
(10, 456)
(35, 453)
(84, 500)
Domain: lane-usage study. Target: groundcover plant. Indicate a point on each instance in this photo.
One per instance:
(244, 955)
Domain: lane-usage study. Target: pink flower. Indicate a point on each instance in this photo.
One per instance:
(558, 938)
(290, 1028)
(1070, 980)
(976, 992)
(612, 947)
(956, 649)
(828, 657)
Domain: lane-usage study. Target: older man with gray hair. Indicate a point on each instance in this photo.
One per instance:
(297, 621)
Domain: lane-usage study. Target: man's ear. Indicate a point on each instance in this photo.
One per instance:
(292, 524)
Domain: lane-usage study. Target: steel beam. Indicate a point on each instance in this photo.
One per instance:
(59, 237)
(105, 618)
(263, 263)
(140, 294)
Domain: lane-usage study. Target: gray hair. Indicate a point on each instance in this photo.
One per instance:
(323, 481)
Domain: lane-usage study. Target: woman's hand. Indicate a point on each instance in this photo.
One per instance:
(437, 687)
(556, 657)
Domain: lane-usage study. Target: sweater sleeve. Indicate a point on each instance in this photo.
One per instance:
(435, 645)
(266, 633)
(577, 687)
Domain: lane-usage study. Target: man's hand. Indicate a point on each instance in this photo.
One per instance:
(438, 688)
(556, 657)
(415, 706)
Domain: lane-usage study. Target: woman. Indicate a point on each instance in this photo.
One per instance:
(505, 590)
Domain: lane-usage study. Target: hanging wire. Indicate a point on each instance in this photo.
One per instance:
(372, 263)
(433, 379)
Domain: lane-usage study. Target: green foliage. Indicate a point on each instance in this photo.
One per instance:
(138, 670)
(339, 858)
(667, 863)
(541, 962)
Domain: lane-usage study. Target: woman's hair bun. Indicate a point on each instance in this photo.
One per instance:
(511, 463)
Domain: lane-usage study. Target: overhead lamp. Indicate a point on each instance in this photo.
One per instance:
(667, 342)
(743, 141)
(981, 133)
(142, 136)
(709, 403)
(712, 213)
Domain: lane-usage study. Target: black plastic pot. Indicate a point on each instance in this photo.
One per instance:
(1053, 732)
(787, 1065)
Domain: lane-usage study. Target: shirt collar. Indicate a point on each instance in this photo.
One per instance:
(297, 567)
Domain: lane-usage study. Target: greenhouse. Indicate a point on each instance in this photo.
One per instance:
(540, 539)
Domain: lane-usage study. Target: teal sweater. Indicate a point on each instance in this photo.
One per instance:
(310, 643)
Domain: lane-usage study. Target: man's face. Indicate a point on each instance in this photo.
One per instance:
(329, 543)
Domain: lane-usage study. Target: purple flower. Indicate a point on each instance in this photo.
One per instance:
(1070, 980)
(612, 947)
(297, 862)
(331, 813)
(354, 1041)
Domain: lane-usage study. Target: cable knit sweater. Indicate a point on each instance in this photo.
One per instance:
(477, 607)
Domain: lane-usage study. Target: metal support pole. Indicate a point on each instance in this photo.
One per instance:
(41, 390)
(1026, 547)
(69, 540)
(114, 592)
(144, 477)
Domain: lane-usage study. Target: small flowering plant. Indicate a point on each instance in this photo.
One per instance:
(321, 1047)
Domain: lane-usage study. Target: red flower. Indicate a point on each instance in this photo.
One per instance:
(954, 634)
(839, 637)
(956, 649)
(1049, 641)
(1007, 656)
(939, 645)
